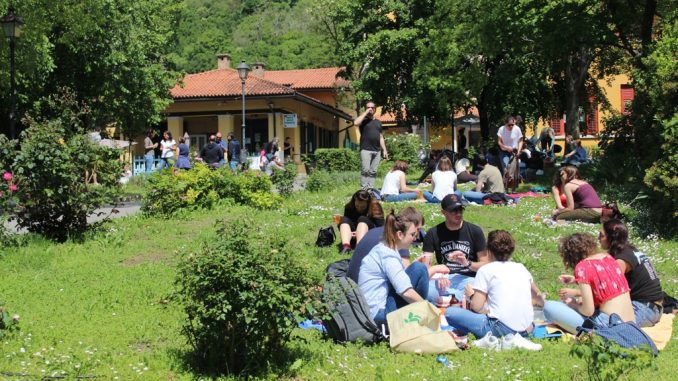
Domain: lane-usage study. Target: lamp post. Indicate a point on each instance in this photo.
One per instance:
(11, 24)
(243, 70)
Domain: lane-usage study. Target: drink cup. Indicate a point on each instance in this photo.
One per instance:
(337, 219)
(426, 258)
(443, 301)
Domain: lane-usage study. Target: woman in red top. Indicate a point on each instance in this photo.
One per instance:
(603, 289)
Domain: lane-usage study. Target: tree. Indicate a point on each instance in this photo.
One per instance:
(112, 54)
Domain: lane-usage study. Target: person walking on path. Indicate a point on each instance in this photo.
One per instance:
(371, 143)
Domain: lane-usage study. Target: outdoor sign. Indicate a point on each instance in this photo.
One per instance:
(290, 120)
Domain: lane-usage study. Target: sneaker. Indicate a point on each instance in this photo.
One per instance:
(488, 342)
(345, 250)
(511, 341)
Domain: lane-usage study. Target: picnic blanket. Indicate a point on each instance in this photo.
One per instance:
(527, 194)
(661, 332)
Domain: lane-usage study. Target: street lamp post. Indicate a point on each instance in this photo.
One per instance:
(243, 70)
(11, 24)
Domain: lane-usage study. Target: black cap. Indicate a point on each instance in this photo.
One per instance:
(451, 202)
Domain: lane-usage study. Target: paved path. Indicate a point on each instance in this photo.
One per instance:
(126, 209)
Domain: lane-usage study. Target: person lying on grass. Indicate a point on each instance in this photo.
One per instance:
(501, 296)
(383, 279)
(603, 289)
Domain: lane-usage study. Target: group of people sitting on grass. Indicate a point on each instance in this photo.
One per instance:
(483, 291)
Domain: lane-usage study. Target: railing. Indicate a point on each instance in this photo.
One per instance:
(140, 165)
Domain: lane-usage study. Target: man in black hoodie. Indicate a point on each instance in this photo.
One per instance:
(212, 153)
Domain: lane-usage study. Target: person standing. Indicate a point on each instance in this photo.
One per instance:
(149, 149)
(224, 148)
(510, 140)
(212, 153)
(461, 143)
(233, 151)
(168, 145)
(288, 148)
(546, 139)
(371, 143)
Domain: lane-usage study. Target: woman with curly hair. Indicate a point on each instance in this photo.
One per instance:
(602, 288)
(500, 298)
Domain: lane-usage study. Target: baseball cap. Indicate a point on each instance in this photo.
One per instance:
(451, 202)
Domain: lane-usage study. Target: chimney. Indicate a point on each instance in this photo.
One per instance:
(223, 61)
(258, 69)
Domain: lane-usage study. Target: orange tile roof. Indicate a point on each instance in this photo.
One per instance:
(322, 78)
(225, 83)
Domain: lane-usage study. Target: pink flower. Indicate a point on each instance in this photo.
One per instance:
(7, 176)
(13, 187)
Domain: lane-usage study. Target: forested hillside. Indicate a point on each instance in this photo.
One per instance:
(283, 34)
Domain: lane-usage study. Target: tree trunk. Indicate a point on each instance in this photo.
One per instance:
(576, 73)
(483, 116)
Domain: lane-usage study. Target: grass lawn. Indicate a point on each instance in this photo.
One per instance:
(104, 307)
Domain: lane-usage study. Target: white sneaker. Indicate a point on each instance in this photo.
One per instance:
(511, 341)
(488, 342)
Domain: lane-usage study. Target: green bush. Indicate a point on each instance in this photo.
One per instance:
(54, 199)
(202, 187)
(284, 179)
(243, 294)
(405, 147)
(337, 159)
(318, 181)
(168, 193)
(607, 361)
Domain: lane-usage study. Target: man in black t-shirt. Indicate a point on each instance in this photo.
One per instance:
(457, 244)
(371, 142)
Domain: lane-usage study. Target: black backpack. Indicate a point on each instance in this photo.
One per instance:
(326, 237)
(349, 315)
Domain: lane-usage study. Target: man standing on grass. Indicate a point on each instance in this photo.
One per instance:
(457, 244)
(371, 143)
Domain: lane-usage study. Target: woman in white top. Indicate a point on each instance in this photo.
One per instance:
(395, 187)
(501, 297)
(168, 147)
(444, 182)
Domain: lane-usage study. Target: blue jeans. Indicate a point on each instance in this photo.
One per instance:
(400, 197)
(434, 200)
(473, 196)
(148, 161)
(167, 162)
(560, 313)
(478, 324)
(646, 315)
(233, 165)
(419, 277)
(505, 157)
(457, 284)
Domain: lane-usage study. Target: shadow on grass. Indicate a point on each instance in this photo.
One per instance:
(284, 364)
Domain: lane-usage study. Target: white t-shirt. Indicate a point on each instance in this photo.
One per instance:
(510, 138)
(167, 151)
(509, 296)
(443, 183)
(392, 183)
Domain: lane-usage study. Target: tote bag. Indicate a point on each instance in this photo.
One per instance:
(415, 328)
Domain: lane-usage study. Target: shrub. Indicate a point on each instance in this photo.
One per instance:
(251, 188)
(243, 294)
(337, 159)
(284, 179)
(406, 147)
(55, 199)
(319, 180)
(606, 360)
(169, 193)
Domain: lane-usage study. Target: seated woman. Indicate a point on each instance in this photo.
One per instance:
(583, 203)
(506, 289)
(395, 185)
(603, 289)
(646, 291)
(463, 175)
(360, 215)
(558, 192)
(383, 279)
(444, 182)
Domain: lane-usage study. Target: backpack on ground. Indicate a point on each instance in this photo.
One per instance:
(326, 237)
(349, 315)
(626, 334)
(497, 198)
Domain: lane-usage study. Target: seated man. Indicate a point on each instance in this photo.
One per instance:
(577, 156)
(458, 245)
(489, 181)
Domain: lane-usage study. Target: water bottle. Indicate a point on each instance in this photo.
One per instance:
(446, 363)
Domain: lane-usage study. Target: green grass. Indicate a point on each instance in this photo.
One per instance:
(104, 307)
